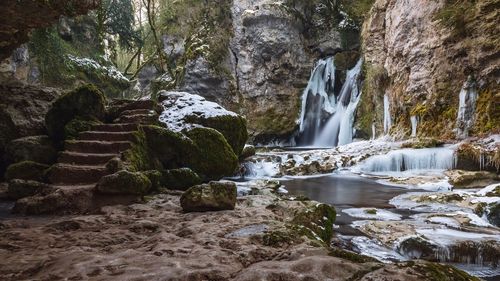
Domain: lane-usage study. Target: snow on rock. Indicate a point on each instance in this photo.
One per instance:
(181, 109)
(94, 66)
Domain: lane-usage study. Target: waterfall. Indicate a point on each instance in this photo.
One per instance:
(411, 159)
(318, 99)
(466, 108)
(387, 115)
(339, 128)
(414, 125)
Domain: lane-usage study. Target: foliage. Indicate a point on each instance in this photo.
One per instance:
(116, 17)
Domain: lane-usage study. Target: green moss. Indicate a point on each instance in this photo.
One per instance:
(180, 179)
(232, 127)
(487, 116)
(214, 157)
(350, 256)
(86, 102)
(279, 238)
(27, 170)
(125, 182)
(317, 222)
(140, 157)
(441, 272)
(78, 125)
(371, 211)
(423, 143)
(480, 209)
(154, 177)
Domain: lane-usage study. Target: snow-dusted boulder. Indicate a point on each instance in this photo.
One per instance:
(184, 111)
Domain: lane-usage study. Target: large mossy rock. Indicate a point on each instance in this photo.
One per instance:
(180, 179)
(494, 214)
(214, 196)
(316, 221)
(35, 148)
(18, 189)
(124, 183)
(204, 150)
(183, 111)
(27, 170)
(214, 158)
(85, 102)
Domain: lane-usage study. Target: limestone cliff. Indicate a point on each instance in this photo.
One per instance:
(420, 53)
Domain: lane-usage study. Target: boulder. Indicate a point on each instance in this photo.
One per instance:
(204, 150)
(248, 151)
(183, 111)
(85, 102)
(180, 179)
(154, 177)
(213, 158)
(35, 148)
(214, 196)
(316, 221)
(471, 179)
(124, 183)
(494, 214)
(18, 189)
(27, 170)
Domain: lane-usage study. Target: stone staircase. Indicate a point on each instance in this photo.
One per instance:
(83, 162)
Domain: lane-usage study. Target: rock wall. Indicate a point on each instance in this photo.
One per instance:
(420, 53)
(19, 17)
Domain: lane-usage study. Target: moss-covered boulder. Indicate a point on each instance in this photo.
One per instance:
(35, 148)
(80, 124)
(213, 158)
(316, 221)
(124, 183)
(494, 214)
(183, 110)
(172, 148)
(18, 189)
(180, 179)
(27, 170)
(154, 177)
(85, 102)
(204, 150)
(214, 196)
(248, 151)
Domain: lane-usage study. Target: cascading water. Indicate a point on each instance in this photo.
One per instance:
(411, 159)
(466, 108)
(339, 129)
(318, 99)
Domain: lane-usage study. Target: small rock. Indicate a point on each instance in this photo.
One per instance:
(214, 196)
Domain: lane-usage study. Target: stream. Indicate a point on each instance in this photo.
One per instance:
(362, 200)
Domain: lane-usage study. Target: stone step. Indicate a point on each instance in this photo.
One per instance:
(97, 147)
(64, 174)
(138, 111)
(117, 127)
(75, 158)
(138, 118)
(107, 136)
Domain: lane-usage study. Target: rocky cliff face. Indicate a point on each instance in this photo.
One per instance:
(420, 53)
(19, 18)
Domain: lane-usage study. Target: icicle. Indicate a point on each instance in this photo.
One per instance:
(387, 115)
(373, 131)
(414, 125)
(411, 159)
(466, 108)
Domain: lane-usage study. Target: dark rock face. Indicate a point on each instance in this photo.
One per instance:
(26, 170)
(18, 18)
(215, 196)
(22, 112)
(35, 148)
